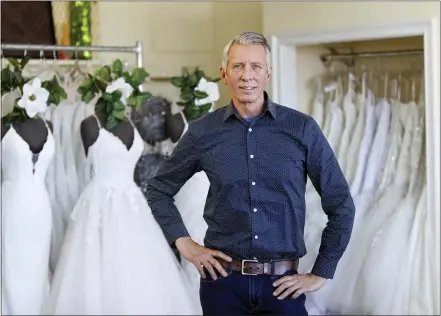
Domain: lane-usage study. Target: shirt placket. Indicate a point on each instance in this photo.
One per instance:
(254, 188)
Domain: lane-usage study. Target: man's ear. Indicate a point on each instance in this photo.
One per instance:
(268, 75)
(223, 75)
(174, 126)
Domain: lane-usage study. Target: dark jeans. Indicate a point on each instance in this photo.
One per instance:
(239, 294)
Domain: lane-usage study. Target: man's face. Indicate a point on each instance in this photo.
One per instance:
(246, 73)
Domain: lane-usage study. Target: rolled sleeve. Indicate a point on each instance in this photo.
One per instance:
(328, 179)
(182, 164)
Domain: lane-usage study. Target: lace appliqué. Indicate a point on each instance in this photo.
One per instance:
(95, 213)
(94, 221)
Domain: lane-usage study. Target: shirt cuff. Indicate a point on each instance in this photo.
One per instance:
(324, 267)
(174, 232)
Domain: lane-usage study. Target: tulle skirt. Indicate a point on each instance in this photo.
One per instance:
(190, 201)
(116, 260)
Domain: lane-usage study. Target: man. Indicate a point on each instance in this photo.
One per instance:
(256, 155)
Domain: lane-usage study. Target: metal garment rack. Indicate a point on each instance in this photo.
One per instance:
(137, 49)
(350, 58)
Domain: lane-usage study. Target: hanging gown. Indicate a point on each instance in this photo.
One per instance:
(390, 244)
(115, 258)
(357, 135)
(350, 116)
(26, 224)
(65, 179)
(190, 201)
(351, 286)
(424, 296)
(316, 219)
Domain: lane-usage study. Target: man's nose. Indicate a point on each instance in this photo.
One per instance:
(247, 73)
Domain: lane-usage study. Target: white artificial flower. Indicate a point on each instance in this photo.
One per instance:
(211, 88)
(34, 99)
(121, 85)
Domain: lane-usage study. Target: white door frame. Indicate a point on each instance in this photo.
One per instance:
(284, 79)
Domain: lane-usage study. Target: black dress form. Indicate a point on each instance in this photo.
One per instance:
(33, 131)
(174, 126)
(156, 123)
(90, 130)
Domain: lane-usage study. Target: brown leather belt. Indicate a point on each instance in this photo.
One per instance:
(255, 267)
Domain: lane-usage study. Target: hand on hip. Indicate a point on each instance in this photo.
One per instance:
(296, 285)
(202, 257)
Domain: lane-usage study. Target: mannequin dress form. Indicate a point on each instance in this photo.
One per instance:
(114, 258)
(27, 152)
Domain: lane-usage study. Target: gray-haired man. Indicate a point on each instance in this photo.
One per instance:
(257, 155)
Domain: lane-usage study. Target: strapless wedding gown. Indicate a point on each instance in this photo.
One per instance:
(115, 258)
(26, 224)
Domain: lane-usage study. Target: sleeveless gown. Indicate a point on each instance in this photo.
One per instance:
(190, 201)
(115, 258)
(26, 224)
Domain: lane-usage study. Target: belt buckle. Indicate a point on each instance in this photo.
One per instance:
(243, 267)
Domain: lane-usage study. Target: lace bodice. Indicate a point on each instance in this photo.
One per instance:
(18, 161)
(110, 160)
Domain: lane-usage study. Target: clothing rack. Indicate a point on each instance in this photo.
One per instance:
(350, 58)
(137, 49)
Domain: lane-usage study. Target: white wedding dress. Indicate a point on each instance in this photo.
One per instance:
(365, 267)
(190, 201)
(26, 224)
(115, 258)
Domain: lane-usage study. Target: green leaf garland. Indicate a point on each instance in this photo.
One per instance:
(12, 79)
(110, 103)
(187, 84)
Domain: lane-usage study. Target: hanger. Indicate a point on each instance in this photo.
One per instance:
(319, 89)
(41, 70)
(399, 84)
(394, 88)
(89, 67)
(55, 70)
(386, 80)
(77, 74)
(383, 75)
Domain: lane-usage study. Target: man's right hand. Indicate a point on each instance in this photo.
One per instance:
(202, 257)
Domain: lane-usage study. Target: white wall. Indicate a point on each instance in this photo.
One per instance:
(176, 34)
(230, 19)
(292, 17)
(281, 17)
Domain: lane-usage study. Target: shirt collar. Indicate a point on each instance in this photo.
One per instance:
(269, 106)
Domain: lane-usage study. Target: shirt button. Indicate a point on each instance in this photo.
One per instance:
(256, 237)
(253, 183)
(255, 210)
(250, 129)
(251, 156)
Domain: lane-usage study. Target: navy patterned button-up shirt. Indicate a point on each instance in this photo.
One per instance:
(255, 206)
